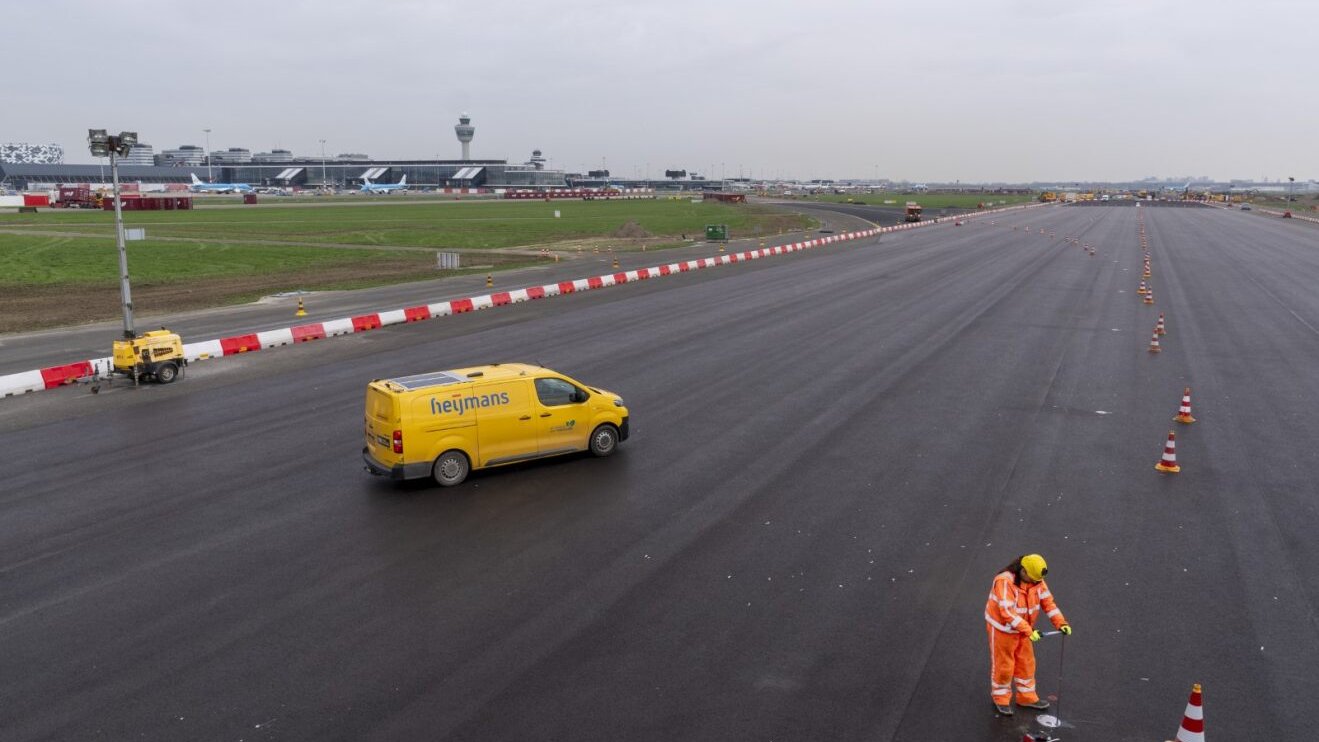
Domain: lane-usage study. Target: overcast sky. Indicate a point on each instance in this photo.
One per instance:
(923, 91)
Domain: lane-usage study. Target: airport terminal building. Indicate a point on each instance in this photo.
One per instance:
(308, 173)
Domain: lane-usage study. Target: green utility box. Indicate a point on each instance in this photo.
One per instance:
(716, 232)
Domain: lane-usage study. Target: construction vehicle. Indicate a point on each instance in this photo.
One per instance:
(1048, 197)
(157, 354)
(77, 197)
(913, 212)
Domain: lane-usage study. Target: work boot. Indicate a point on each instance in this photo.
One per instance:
(1040, 704)
(1003, 709)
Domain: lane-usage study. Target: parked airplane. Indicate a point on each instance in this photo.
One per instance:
(200, 187)
(369, 187)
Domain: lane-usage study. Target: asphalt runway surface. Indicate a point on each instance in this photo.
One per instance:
(832, 454)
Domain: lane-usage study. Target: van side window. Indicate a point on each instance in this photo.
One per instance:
(554, 392)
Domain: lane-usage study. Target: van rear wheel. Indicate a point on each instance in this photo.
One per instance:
(604, 440)
(451, 468)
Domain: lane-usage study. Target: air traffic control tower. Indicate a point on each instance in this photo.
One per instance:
(465, 131)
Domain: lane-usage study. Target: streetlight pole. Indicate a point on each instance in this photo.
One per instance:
(125, 291)
(115, 146)
(324, 181)
(1291, 183)
(210, 177)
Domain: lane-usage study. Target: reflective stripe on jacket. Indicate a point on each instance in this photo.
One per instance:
(1013, 609)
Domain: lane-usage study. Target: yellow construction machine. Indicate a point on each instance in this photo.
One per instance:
(157, 355)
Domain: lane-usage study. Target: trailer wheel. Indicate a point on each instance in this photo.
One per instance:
(167, 372)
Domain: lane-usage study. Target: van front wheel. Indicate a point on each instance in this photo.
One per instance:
(451, 468)
(604, 440)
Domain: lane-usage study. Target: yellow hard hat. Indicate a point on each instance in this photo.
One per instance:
(1034, 567)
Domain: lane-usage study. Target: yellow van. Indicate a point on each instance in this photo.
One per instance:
(447, 423)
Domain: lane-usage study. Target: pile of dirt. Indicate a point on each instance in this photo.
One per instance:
(631, 229)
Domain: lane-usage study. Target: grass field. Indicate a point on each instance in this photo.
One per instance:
(1301, 205)
(37, 260)
(58, 281)
(468, 225)
(926, 200)
(223, 255)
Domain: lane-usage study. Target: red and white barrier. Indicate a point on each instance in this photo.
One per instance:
(56, 376)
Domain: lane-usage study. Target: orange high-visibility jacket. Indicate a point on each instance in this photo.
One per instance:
(1013, 609)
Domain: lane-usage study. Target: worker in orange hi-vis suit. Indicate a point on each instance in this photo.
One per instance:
(1014, 603)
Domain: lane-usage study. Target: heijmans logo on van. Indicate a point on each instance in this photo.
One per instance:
(463, 404)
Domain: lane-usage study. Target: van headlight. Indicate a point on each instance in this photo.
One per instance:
(618, 401)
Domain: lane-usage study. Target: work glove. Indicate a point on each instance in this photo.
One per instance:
(1035, 635)
(1066, 629)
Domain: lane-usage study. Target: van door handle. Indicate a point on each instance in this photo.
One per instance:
(546, 414)
(525, 417)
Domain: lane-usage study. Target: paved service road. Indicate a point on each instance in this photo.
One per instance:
(833, 452)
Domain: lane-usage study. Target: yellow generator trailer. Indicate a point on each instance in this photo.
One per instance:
(157, 354)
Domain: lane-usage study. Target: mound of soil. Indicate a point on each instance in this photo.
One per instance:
(631, 229)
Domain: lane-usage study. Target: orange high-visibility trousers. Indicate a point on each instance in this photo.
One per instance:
(1012, 667)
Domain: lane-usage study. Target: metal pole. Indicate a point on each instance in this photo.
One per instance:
(125, 291)
(1058, 706)
(324, 183)
(210, 177)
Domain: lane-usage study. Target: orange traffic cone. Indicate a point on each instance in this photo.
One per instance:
(1149, 296)
(1169, 461)
(1159, 328)
(1154, 342)
(302, 311)
(1193, 721)
(1143, 289)
(1184, 412)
